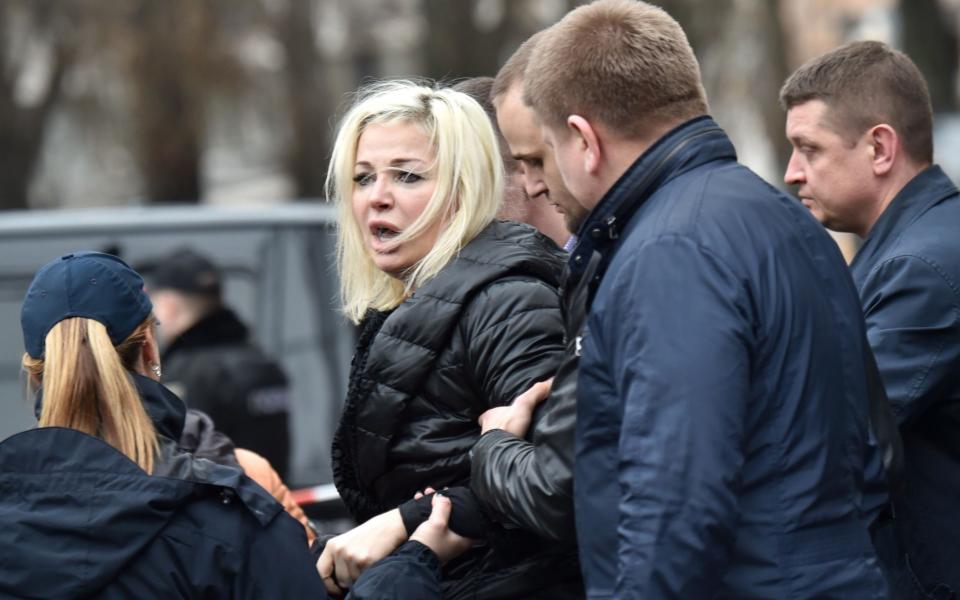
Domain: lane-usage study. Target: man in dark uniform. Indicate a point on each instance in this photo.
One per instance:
(210, 361)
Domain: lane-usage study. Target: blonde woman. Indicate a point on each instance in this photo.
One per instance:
(458, 313)
(99, 502)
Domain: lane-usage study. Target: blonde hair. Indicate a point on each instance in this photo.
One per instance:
(86, 386)
(469, 186)
(624, 63)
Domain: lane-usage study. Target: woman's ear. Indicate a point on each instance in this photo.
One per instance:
(148, 363)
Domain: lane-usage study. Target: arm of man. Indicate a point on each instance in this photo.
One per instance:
(530, 483)
(675, 332)
(913, 324)
(517, 340)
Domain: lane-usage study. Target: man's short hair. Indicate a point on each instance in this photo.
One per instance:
(865, 84)
(187, 272)
(512, 70)
(624, 63)
(479, 88)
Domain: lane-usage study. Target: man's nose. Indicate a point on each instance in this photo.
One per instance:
(534, 186)
(794, 174)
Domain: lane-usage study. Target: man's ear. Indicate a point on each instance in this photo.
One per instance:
(588, 143)
(884, 144)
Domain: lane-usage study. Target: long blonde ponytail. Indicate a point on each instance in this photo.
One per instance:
(86, 386)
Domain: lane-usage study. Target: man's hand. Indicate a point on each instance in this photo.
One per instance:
(346, 556)
(434, 533)
(516, 418)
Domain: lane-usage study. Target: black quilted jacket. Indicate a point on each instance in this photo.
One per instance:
(486, 328)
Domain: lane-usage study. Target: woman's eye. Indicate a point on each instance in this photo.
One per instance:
(408, 177)
(362, 179)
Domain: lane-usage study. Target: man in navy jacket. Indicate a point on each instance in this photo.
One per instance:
(722, 438)
(860, 122)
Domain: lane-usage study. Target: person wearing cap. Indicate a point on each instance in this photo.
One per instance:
(210, 361)
(99, 500)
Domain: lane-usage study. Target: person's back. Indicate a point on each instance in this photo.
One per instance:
(85, 521)
(723, 446)
(787, 382)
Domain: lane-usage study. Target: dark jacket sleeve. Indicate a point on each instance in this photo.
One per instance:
(913, 324)
(530, 483)
(513, 331)
(677, 354)
(466, 517)
(279, 565)
(412, 571)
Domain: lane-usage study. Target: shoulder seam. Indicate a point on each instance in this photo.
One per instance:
(933, 266)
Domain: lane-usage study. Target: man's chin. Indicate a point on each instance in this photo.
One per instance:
(572, 225)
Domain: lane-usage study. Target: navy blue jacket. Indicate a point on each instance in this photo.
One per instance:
(722, 418)
(79, 519)
(908, 274)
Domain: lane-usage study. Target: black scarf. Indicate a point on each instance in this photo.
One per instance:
(361, 502)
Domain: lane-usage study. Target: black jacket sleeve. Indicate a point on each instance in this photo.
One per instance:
(513, 331)
(530, 483)
(466, 518)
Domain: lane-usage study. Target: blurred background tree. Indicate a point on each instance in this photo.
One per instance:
(37, 48)
(158, 101)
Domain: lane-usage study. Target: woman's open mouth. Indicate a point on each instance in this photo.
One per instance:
(384, 234)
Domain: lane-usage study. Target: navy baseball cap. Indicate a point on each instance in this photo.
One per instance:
(94, 285)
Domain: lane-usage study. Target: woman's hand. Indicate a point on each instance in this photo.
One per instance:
(516, 418)
(348, 555)
(426, 492)
(434, 533)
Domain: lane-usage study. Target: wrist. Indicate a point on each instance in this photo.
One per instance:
(414, 512)
(397, 529)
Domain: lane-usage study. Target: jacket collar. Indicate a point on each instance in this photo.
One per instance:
(685, 147)
(164, 408)
(930, 187)
(219, 327)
